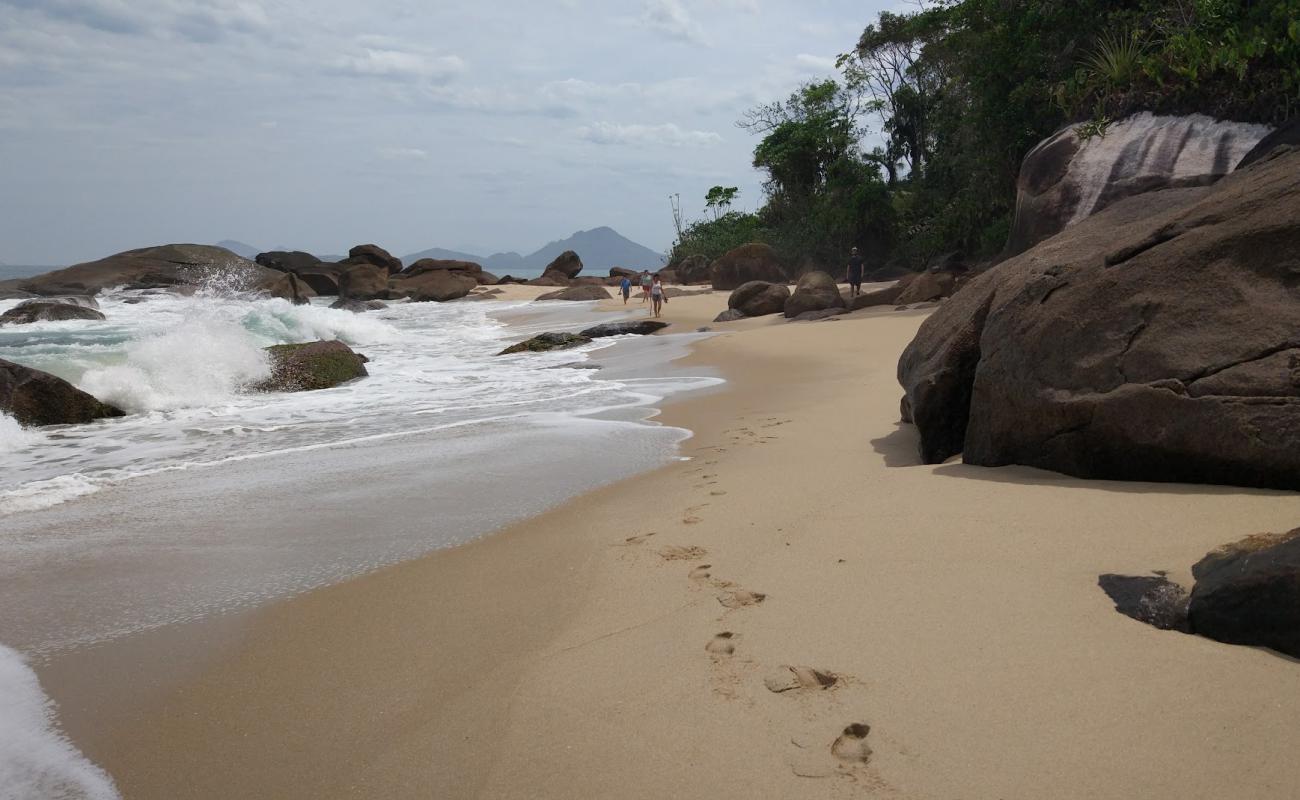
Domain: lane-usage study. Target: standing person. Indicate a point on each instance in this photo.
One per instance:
(855, 273)
(645, 285)
(657, 294)
(625, 286)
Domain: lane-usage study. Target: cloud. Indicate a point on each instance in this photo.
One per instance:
(818, 64)
(667, 134)
(196, 20)
(400, 65)
(402, 154)
(671, 18)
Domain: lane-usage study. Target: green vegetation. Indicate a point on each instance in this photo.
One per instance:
(914, 151)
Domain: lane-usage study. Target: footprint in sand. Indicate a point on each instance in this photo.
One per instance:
(851, 748)
(682, 553)
(798, 679)
(741, 598)
(724, 644)
(638, 539)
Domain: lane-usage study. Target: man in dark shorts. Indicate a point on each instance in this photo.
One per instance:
(855, 273)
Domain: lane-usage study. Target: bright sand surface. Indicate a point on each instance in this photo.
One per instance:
(576, 655)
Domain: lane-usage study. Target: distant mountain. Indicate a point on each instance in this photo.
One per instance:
(599, 249)
(240, 248)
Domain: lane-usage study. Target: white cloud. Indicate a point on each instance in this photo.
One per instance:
(403, 154)
(400, 65)
(668, 134)
(671, 18)
(818, 64)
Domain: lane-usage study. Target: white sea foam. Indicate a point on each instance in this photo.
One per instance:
(35, 495)
(36, 761)
(14, 437)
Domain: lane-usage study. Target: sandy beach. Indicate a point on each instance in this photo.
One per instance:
(637, 642)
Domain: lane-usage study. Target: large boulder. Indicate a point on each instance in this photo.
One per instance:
(323, 279)
(288, 287)
(1286, 136)
(749, 262)
(38, 398)
(1068, 177)
(287, 260)
(567, 264)
(927, 286)
(85, 301)
(578, 293)
(374, 255)
(759, 298)
(435, 285)
(553, 279)
(30, 311)
(544, 342)
(624, 272)
(358, 306)
(164, 265)
(364, 282)
(1249, 593)
(816, 291)
(442, 264)
(640, 327)
(694, 269)
(887, 296)
(1158, 341)
(310, 366)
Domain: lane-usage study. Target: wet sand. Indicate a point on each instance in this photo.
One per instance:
(632, 642)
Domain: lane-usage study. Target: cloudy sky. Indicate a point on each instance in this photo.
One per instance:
(318, 124)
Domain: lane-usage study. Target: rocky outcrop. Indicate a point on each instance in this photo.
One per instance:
(435, 285)
(544, 342)
(30, 311)
(311, 366)
(749, 262)
(288, 287)
(880, 297)
(364, 282)
(1067, 178)
(694, 270)
(623, 272)
(554, 279)
(373, 255)
(928, 286)
(1286, 136)
(1158, 340)
(165, 265)
(641, 327)
(358, 306)
(566, 264)
(287, 260)
(730, 315)
(448, 265)
(323, 279)
(1249, 593)
(816, 291)
(578, 293)
(759, 298)
(38, 398)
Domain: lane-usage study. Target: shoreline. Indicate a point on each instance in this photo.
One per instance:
(574, 653)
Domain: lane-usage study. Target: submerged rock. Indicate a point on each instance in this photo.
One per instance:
(30, 311)
(639, 327)
(358, 306)
(34, 397)
(544, 342)
(310, 366)
(1157, 341)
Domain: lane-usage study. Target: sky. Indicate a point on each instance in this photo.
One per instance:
(320, 124)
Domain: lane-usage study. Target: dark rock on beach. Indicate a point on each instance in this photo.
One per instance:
(147, 267)
(749, 262)
(435, 285)
(30, 311)
(289, 287)
(926, 287)
(578, 293)
(759, 298)
(364, 282)
(544, 342)
(374, 255)
(567, 264)
(310, 366)
(358, 306)
(38, 398)
(730, 315)
(1249, 593)
(1158, 341)
(816, 291)
(641, 327)
(287, 260)
(880, 297)
(694, 269)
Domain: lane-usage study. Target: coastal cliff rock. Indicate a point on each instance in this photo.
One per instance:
(1249, 593)
(435, 285)
(38, 398)
(749, 262)
(759, 298)
(816, 291)
(364, 282)
(641, 327)
(30, 311)
(544, 342)
(164, 265)
(374, 255)
(566, 264)
(1158, 340)
(311, 366)
(1067, 178)
(578, 293)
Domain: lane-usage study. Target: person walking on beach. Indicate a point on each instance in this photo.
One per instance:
(645, 285)
(625, 287)
(657, 294)
(855, 273)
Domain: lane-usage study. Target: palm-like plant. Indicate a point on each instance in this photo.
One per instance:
(1116, 59)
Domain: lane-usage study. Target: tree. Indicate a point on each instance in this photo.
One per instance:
(719, 199)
